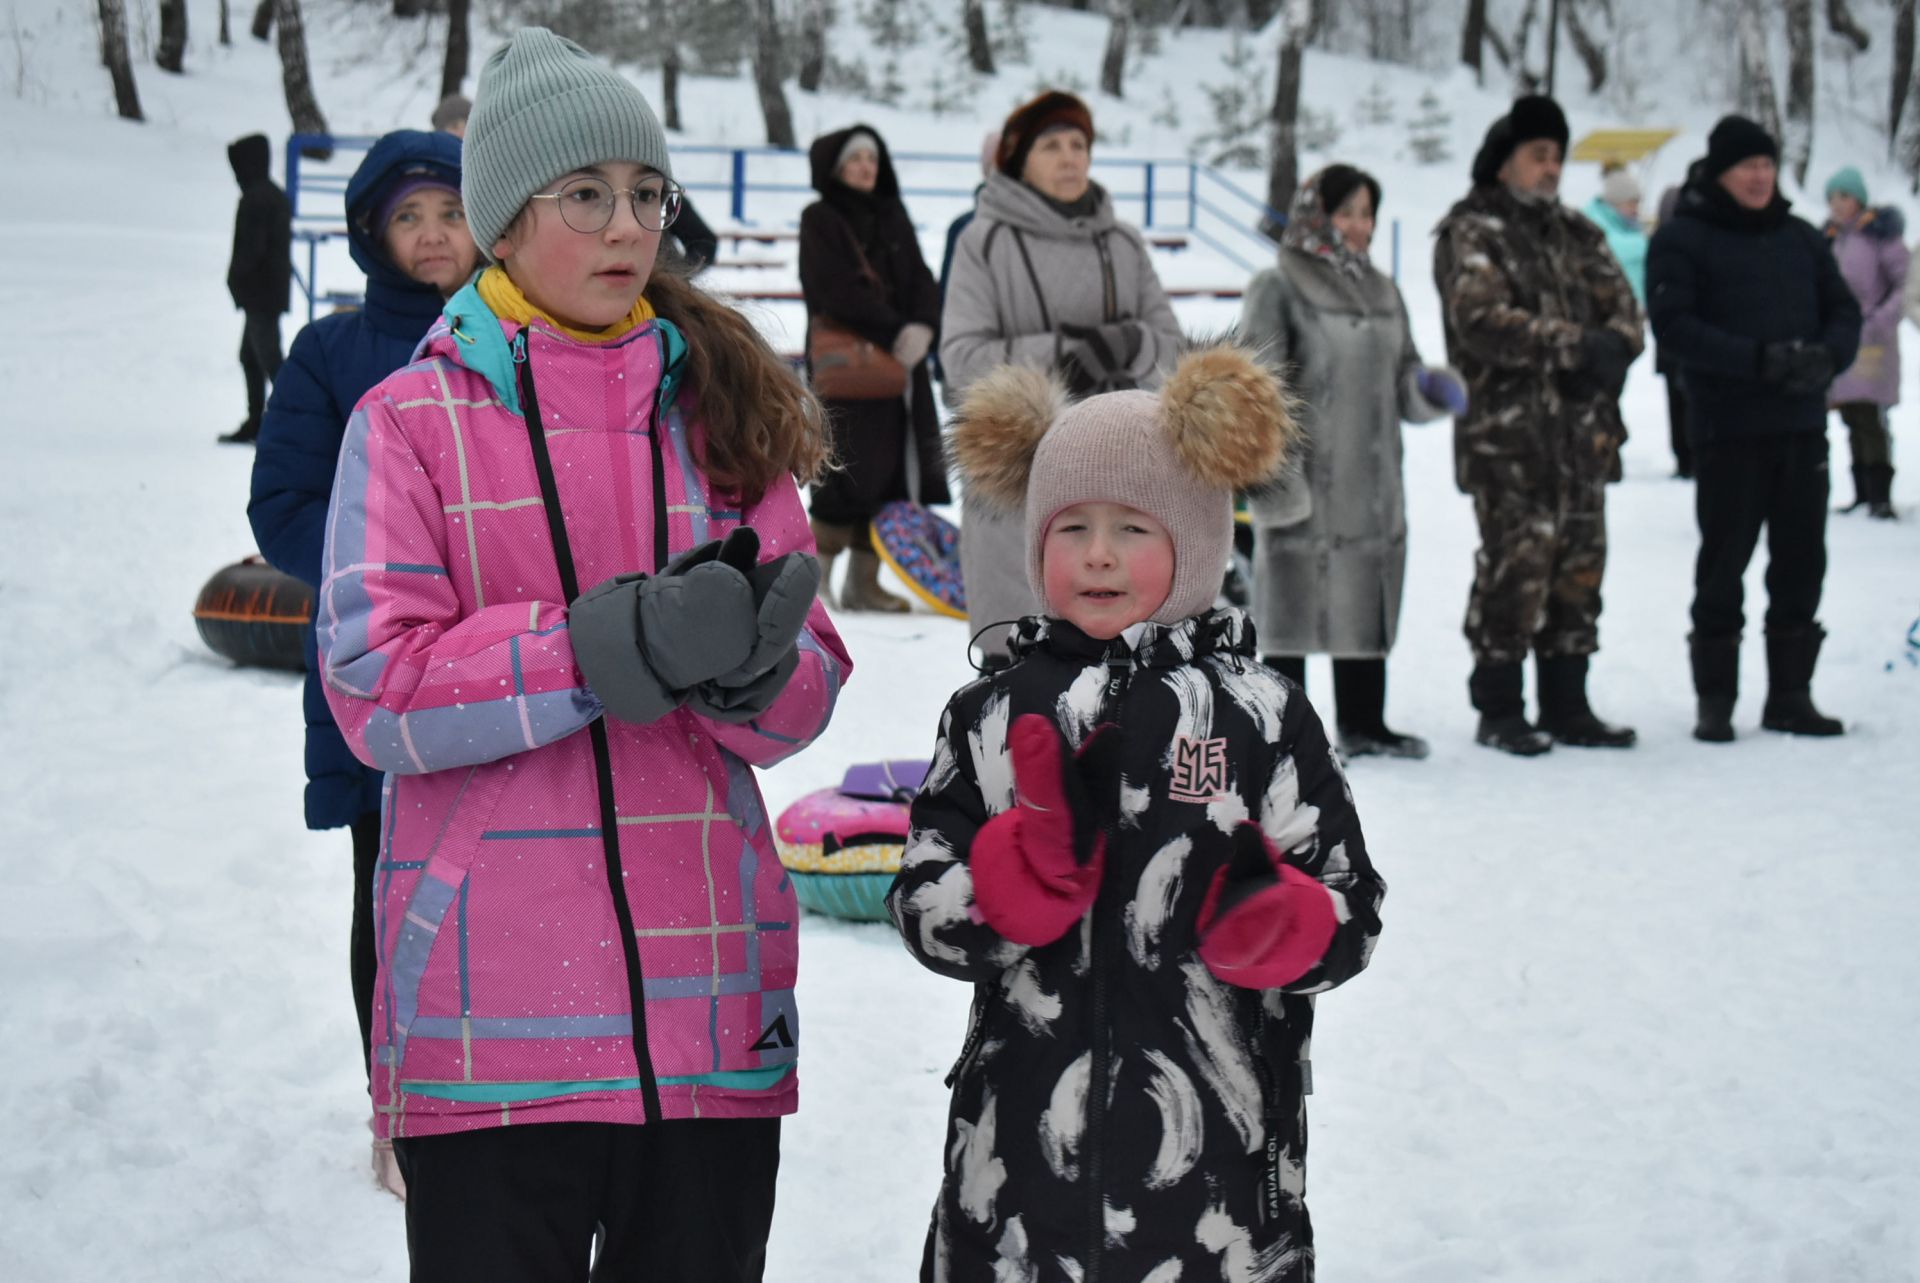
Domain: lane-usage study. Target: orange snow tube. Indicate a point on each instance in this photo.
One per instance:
(252, 614)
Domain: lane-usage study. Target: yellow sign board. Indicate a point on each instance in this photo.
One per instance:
(1620, 146)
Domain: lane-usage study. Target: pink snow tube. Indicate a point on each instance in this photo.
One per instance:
(842, 846)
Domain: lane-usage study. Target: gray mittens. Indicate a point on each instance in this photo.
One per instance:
(714, 630)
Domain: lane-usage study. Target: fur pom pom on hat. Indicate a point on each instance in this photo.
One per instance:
(1220, 424)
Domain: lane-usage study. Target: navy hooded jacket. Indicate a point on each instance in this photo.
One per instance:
(332, 364)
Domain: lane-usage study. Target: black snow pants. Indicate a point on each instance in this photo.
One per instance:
(682, 1201)
(1780, 482)
(260, 358)
(362, 955)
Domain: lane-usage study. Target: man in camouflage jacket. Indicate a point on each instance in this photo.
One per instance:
(1543, 324)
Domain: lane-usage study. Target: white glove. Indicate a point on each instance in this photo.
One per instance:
(911, 343)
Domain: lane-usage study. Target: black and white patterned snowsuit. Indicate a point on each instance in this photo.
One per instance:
(1119, 1115)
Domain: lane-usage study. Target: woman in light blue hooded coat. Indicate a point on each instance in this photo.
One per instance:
(1617, 211)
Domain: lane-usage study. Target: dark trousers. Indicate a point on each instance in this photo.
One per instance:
(260, 359)
(684, 1201)
(1868, 439)
(1677, 426)
(1780, 482)
(362, 949)
(1359, 688)
(1537, 574)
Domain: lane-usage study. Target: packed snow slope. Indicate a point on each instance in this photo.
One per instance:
(1636, 1015)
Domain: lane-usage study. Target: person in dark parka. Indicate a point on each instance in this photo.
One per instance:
(860, 265)
(408, 175)
(1749, 304)
(259, 272)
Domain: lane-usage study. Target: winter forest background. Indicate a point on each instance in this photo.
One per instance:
(1635, 1015)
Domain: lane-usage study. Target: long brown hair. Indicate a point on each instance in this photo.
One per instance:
(759, 419)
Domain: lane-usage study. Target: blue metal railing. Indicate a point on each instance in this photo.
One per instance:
(1172, 195)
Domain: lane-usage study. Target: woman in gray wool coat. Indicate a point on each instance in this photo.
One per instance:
(1044, 276)
(1330, 537)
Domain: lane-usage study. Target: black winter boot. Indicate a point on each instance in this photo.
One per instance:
(1496, 692)
(1881, 503)
(1716, 682)
(1789, 708)
(1564, 712)
(1862, 489)
(1360, 699)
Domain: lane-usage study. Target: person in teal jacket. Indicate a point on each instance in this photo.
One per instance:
(1617, 210)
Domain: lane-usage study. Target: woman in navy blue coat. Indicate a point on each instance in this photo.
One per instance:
(407, 231)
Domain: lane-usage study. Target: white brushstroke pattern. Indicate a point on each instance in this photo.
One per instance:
(1289, 822)
(1255, 691)
(1077, 711)
(1066, 1118)
(992, 765)
(1212, 1037)
(1182, 1130)
(1133, 803)
(979, 1170)
(1121, 1222)
(1194, 694)
(1165, 1272)
(1013, 1265)
(1036, 1008)
(1220, 1234)
(1153, 901)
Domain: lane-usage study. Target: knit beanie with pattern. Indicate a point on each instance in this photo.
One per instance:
(546, 107)
(1222, 422)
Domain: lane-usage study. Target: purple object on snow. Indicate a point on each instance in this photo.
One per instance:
(885, 781)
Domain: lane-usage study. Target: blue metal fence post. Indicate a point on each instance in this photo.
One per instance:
(1193, 194)
(739, 185)
(1148, 220)
(1396, 249)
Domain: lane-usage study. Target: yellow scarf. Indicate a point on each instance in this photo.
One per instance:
(506, 301)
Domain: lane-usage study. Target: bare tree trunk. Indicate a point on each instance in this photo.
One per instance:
(409, 8)
(1902, 69)
(1113, 64)
(979, 46)
(169, 54)
(1593, 53)
(1473, 39)
(1524, 80)
(294, 76)
(661, 31)
(1757, 94)
(813, 44)
(226, 31)
(1283, 150)
(262, 25)
(1840, 22)
(1797, 146)
(766, 78)
(1501, 49)
(113, 55)
(459, 42)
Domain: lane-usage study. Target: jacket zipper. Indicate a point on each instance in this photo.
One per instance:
(1119, 662)
(976, 1032)
(1110, 300)
(597, 728)
(1270, 1117)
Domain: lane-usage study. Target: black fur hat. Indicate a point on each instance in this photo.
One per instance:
(1531, 117)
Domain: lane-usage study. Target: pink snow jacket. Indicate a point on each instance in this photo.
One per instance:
(504, 990)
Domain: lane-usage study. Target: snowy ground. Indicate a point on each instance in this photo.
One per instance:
(1642, 1015)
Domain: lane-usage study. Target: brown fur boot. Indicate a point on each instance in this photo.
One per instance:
(863, 590)
(831, 541)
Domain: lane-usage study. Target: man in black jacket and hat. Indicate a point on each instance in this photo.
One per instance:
(259, 273)
(1543, 324)
(1749, 304)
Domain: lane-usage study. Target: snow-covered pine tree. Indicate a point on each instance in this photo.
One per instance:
(1427, 131)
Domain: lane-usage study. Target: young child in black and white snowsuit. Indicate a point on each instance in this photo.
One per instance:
(1138, 846)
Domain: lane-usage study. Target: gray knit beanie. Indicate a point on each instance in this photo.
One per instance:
(546, 107)
(1221, 423)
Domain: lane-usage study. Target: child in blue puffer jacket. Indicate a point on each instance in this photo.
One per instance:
(407, 230)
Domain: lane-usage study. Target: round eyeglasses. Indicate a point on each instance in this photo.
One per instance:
(587, 204)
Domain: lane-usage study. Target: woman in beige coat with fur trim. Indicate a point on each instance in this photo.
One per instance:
(1330, 536)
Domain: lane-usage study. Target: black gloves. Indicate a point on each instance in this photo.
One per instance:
(713, 628)
(1602, 364)
(1098, 358)
(1798, 367)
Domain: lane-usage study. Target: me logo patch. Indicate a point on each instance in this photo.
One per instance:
(774, 1037)
(1199, 770)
